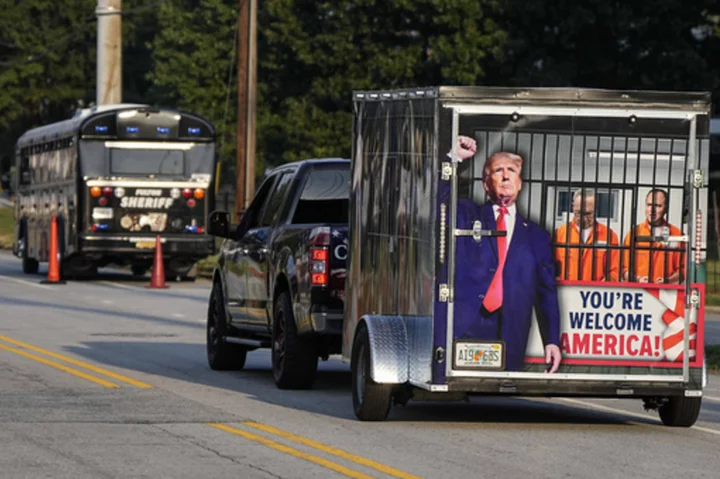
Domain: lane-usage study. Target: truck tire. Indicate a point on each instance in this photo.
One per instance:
(680, 411)
(221, 355)
(371, 401)
(294, 358)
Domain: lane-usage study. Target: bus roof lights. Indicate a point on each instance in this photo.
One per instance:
(193, 131)
(132, 129)
(101, 129)
(162, 130)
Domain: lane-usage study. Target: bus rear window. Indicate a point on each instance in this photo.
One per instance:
(324, 198)
(146, 162)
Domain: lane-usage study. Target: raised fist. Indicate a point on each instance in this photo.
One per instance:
(466, 147)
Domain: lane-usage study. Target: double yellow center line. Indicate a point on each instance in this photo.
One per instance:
(22, 349)
(62, 367)
(382, 468)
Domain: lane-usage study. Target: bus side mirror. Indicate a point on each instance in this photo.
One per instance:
(219, 224)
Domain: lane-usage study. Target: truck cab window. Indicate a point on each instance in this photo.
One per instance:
(276, 199)
(251, 218)
(324, 198)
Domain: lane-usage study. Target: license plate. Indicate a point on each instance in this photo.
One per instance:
(145, 244)
(479, 355)
(102, 213)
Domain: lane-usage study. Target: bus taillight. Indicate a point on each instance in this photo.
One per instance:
(199, 194)
(187, 193)
(107, 191)
(95, 191)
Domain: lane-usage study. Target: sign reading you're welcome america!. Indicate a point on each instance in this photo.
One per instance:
(613, 324)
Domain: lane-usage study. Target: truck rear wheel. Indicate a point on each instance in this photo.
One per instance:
(294, 358)
(371, 401)
(221, 355)
(680, 411)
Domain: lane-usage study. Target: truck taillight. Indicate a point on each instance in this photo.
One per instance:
(319, 265)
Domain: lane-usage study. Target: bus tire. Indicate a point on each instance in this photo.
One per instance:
(221, 355)
(680, 411)
(371, 400)
(29, 265)
(138, 269)
(294, 357)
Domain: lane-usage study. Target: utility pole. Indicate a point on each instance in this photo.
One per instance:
(247, 86)
(109, 52)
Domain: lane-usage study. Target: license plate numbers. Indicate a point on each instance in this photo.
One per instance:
(145, 244)
(479, 355)
(102, 213)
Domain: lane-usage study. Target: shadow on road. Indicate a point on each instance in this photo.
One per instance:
(331, 394)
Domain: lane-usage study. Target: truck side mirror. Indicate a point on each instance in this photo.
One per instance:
(219, 224)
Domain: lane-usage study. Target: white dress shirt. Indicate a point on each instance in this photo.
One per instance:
(509, 221)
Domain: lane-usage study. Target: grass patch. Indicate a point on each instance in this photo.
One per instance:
(7, 225)
(206, 266)
(712, 356)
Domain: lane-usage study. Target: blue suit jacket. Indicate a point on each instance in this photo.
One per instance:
(528, 281)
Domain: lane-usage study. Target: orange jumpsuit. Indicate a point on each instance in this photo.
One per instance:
(672, 257)
(567, 258)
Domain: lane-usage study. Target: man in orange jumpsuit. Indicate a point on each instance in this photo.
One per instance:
(655, 263)
(586, 257)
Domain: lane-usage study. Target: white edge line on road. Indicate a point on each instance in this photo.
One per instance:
(711, 398)
(23, 281)
(118, 285)
(630, 413)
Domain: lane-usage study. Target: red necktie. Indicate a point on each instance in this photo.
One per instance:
(493, 298)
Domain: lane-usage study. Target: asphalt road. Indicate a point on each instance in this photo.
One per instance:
(105, 378)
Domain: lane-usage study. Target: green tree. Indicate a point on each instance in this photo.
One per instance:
(313, 54)
(48, 62)
(193, 52)
(665, 44)
(44, 59)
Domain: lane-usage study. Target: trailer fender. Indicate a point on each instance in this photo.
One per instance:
(388, 348)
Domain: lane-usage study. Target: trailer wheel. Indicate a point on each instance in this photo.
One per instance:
(221, 355)
(371, 401)
(294, 358)
(680, 411)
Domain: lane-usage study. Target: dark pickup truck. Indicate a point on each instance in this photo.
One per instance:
(280, 278)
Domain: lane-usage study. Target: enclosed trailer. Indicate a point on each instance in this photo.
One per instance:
(534, 241)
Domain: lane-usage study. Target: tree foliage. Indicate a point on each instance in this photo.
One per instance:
(193, 56)
(312, 54)
(659, 45)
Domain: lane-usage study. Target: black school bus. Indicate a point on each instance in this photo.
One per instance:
(116, 177)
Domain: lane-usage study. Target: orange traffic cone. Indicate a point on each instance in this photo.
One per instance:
(157, 279)
(53, 276)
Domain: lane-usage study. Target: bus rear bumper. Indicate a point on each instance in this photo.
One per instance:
(198, 246)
